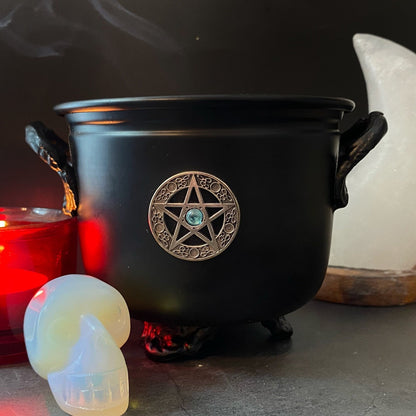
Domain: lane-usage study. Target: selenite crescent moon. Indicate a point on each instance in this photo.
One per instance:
(378, 228)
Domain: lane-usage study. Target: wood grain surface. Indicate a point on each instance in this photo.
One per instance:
(368, 287)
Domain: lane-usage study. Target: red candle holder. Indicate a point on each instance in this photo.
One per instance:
(36, 245)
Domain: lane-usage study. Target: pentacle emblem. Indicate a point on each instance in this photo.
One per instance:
(194, 216)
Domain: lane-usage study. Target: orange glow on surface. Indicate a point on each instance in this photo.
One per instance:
(18, 404)
(95, 109)
(3, 223)
(104, 122)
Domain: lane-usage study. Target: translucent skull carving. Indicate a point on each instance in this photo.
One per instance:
(74, 327)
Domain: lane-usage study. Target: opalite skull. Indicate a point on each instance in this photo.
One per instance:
(74, 327)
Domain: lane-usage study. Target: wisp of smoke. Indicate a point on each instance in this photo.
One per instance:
(18, 34)
(138, 27)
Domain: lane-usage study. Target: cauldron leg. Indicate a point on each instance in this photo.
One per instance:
(164, 343)
(280, 328)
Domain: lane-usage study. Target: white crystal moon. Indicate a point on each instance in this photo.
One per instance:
(377, 230)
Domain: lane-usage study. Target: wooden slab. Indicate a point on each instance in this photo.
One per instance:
(368, 287)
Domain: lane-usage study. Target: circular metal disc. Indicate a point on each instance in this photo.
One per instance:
(194, 216)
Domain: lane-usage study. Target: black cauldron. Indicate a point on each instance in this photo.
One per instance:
(207, 210)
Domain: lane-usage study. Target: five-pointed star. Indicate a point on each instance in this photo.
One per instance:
(185, 207)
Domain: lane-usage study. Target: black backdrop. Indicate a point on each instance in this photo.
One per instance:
(54, 51)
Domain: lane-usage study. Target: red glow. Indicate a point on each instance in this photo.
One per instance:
(19, 280)
(38, 293)
(95, 250)
(16, 289)
(31, 254)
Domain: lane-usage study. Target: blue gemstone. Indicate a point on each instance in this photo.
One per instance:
(194, 217)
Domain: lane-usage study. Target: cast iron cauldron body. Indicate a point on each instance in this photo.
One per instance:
(280, 157)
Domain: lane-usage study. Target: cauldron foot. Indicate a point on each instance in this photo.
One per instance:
(165, 343)
(280, 328)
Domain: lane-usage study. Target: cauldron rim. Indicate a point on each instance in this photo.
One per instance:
(212, 100)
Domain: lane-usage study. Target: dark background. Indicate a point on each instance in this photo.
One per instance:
(56, 51)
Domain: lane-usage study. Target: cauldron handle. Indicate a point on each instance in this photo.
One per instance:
(55, 152)
(355, 144)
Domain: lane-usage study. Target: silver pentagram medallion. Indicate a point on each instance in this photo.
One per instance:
(194, 216)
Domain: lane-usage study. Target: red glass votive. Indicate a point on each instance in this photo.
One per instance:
(36, 245)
